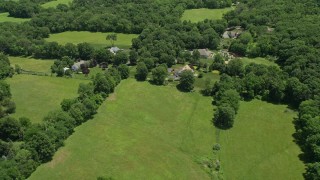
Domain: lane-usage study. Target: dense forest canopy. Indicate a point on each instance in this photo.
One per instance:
(283, 30)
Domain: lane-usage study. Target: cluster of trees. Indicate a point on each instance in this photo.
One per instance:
(38, 142)
(167, 44)
(256, 81)
(23, 8)
(226, 98)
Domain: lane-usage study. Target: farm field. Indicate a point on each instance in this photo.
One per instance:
(159, 137)
(166, 133)
(258, 60)
(4, 17)
(55, 3)
(31, 64)
(35, 96)
(97, 39)
(196, 15)
(260, 145)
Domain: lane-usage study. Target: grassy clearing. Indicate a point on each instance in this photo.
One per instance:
(55, 3)
(199, 83)
(260, 145)
(196, 15)
(159, 137)
(4, 17)
(31, 64)
(97, 39)
(35, 96)
(258, 60)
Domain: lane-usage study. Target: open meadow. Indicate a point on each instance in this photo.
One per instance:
(4, 17)
(258, 60)
(35, 96)
(55, 3)
(196, 15)
(141, 132)
(31, 64)
(156, 132)
(97, 39)
(260, 145)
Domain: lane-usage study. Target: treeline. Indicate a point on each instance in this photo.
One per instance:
(211, 4)
(7, 106)
(307, 135)
(99, 16)
(24, 146)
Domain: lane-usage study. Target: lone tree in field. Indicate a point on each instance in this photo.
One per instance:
(224, 116)
(186, 81)
(112, 38)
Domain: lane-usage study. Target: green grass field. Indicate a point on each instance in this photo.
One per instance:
(260, 145)
(258, 60)
(31, 64)
(196, 15)
(4, 17)
(97, 39)
(199, 83)
(35, 96)
(163, 135)
(55, 3)
(159, 137)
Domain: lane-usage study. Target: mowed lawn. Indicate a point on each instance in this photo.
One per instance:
(97, 39)
(31, 64)
(258, 60)
(141, 132)
(4, 17)
(260, 145)
(35, 96)
(55, 3)
(196, 15)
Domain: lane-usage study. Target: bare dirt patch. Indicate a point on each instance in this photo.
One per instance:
(112, 97)
(59, 158)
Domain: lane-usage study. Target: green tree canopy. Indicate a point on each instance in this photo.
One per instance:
(186, 81)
